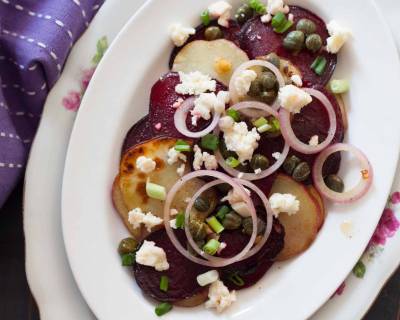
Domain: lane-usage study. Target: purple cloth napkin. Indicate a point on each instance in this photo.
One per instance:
(35, 39)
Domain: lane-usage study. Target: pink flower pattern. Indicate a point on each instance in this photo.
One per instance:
(72, 101)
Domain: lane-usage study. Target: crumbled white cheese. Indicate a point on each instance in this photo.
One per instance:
(173, 212)
(293, 98)
(239, 139)
(194, 83)
(181, 170)
(198, 158)
(219, 296)
(243, 82)
(173, 156)
(145, 164)
(151, 255)
(313, 141)
(240, 175)
(207, 103)
(226, 123)
(338, 36)
(222, 11)
(296, 79)
(275, 6)
(266, 18)
(257, 171)
(209, 160)
(290, 17)
(137, 218)
(179, 34)
(284, 203)
(241, 208)
(207, 278)
(172, 224)
(276, 155)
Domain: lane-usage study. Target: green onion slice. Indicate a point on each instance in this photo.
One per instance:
(234, 114)
(210, 142)
(339, 86)
(164, 283)
(211, 247)
(260, 122)
(182, 146)
(215, 224)
(205, 17)
(163, 308)
(236, 279)
(180, 220)
(128, 259)
(222, 212)
(257, 6)
(319, 65)
(232, 162)
(155, 191)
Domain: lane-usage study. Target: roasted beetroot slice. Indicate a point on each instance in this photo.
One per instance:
(140, 132)
(252, 269)
(162, 98)
(231, 33)
(258, 39)
(313, 120)
(182, 273)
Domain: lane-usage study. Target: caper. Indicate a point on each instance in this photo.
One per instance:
(244, 13)
(294, 41)
(306, 26)
(255, 88)
(198, 229)
(232, 221)
(247, 225)
(202, 204)
(213, 33)
(127, 245)
(268, 96)
(334, 183)
(313, 42)
(258, 161)
(290, 163)
(268, 80)
(274, 59)
(301, 172)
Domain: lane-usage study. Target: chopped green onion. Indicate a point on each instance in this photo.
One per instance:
(180, 220)
(164, 283)
(319, 65)
(128, 259)
(339, 86)
(182, 146)
(211, 247)
(163, 308)
(215, 224)
(234, 114)
(222, 212)
(210, 142)
(278, 20)
(280, 23)
(205, 17)
(260, 122)
(274, 122)
(264, 128)
(236, 279)
(257, 6)
(155, 191)
(232, 162)
(285, 27)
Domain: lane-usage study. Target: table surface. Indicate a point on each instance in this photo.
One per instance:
(16, 301)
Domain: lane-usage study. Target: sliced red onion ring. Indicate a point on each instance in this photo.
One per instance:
(289, 135)
(241, 192)
(349, 196)
(241, 255)
(254, 63)
(265, 173)
(180, 120)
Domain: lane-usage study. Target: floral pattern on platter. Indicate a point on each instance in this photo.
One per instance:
(387, 227)
(72, 100)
